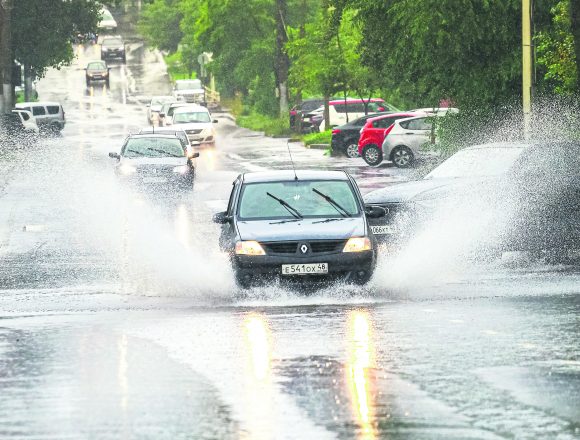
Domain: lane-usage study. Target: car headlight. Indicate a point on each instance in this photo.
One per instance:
(182, 169)
(105, 49)
(249, 248)
(357, 244)
(127, 169)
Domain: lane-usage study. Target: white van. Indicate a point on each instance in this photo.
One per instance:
(48, 115)
(342, 111)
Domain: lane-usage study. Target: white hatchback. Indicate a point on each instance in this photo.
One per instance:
(403, 142)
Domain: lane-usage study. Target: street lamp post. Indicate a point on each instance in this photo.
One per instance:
(527, 65)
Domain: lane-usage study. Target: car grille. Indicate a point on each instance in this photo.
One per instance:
(193, 131)
(315, 247)
(286, 247)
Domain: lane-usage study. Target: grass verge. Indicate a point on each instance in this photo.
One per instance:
(317, 138)
(270, 126)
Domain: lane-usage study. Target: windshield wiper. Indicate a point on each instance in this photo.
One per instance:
(285, 221)
(333, 203)
(329, 220)
(163, 152)
(134, 151)
(295, 213)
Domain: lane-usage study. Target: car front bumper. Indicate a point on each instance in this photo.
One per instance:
(344, 266)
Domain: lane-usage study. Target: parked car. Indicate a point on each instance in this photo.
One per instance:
(438, 111)
(12, 129)
(345, 137)
(305, 107)
(97, 71)
(155, 160)
(375, 129)
(298, 226)
(155, 105)
(530, 194)
(166, 113)
(113, 47)
(403, 142)
(107, 23)
(196, 121)
(189, 90)
(342, 111)
(28, 121)
(49, 115)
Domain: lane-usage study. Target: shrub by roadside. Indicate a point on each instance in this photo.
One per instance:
(317, 138)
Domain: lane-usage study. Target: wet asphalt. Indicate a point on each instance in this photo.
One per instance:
(119, 318)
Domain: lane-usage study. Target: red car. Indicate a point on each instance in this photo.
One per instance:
(375, 129)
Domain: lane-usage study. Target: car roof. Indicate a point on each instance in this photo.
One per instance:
(150, 135)
(188, 107)
(288, 176)
(160, 130)
(390, 114)
(24, 104)
(354, 101)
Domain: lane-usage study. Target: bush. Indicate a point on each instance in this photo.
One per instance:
(318, 138)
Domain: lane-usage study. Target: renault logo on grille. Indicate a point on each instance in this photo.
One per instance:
(303, 248)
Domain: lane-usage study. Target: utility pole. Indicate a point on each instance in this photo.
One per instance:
(527, 66)
(6, 60)
(282, 63)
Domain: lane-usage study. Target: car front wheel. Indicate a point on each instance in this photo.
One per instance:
(351, 150)
(402, 156)
(372, 155)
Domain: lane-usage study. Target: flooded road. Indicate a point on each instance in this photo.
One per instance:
(119, 317)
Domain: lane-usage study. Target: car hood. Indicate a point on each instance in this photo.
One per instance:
(97, 71)
(145, 161)
(425, 189)
(306, 229)
(156, 108)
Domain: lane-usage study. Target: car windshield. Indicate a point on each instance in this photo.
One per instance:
(185, 85)
(153, 147)
(112, 42)
(96, 66)
(190, 117)
(300, 198)
(477, 162)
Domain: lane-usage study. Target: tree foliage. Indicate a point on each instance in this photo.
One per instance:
(44, 29)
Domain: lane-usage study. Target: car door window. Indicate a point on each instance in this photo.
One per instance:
(25, 116)
(38, 111)
(419, 124)
(355, 108)
(53, 109)
(230, 210)
(383, 123)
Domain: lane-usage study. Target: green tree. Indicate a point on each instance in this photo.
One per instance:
(160, 24)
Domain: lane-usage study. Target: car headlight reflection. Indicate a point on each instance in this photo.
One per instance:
(127, 169)
(357, 244)
(251, 247)
(182, 169)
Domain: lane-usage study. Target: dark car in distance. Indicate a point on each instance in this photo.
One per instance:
(530, 194)
(299, 110)
(308, 226)
(113, 47)
(97, 71)
(155, 160)
(345, 137)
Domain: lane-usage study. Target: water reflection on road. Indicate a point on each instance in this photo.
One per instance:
(361, 362)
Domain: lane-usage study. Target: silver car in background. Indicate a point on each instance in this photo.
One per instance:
(405, 138)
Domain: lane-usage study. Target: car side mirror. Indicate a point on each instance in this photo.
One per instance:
(375, 211)
(161, 115)
(215, 121)
(194, 155)
(114, 155)
(221, 218)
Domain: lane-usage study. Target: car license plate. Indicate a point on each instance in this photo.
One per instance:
(383, 230)
(154, 180)
(304, 269)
